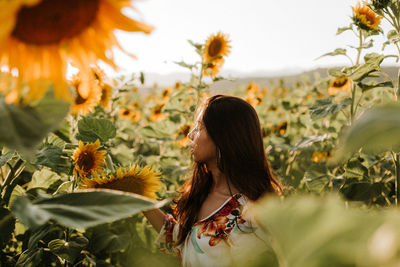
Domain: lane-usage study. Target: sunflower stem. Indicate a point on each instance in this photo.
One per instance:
(360, 47)
(352, 108)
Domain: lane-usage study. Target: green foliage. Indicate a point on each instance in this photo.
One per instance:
(24, 127)
(375, 131)
(91, 129)
(82, 209)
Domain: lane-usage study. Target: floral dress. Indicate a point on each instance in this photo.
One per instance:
(224, 238)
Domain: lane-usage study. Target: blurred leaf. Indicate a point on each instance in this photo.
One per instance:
(110, 242)
(325, 107)
(343, 29)
(68, 250)
(155, 132)
(24, 127)
(91, 129)
(337, 52)
(141, 78)
(81, 209)
(309, 231)
(6, 157)
(52, 157)
(185, 65)
(376, 130)
(307, 141)
(362, 191)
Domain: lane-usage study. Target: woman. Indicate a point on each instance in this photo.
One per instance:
(230, 171)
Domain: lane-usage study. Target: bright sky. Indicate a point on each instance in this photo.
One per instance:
(265, 35)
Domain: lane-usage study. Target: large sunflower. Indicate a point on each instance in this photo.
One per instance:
(365, 18)
(144, 181)
(39, 37)
(217, 46)
(84, 105)
(339, 84)
(88, 158)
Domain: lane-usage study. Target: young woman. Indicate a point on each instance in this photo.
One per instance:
(230, 171)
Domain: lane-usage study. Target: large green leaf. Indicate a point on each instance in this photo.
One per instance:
(82, 209)
(307, 231)
(24, 127)
(325, 107)
(376, 130)
(91, 129)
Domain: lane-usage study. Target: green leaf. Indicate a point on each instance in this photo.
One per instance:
(376, 130)
(335, 72)
(24, 127)
(337, 52)
(6, 157)
(82, 209)
(68, 250)
(110, 242)
(155, 132)
(30, 258)
(354, 169)
(52, 157)
(43, 179)
(343, 29)
(375, 85)
(372, 64)
(141, 78)
(185, 65)
(325, 107)
(309, 140)
(91, 129)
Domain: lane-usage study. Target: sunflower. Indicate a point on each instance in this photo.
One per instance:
(143, 181)
(166, 93)
(125, 113)
(253, 88)
(39, 37)
(85, 105)
(321, 156)
(157, 114)
(182, 134)
(217, 46)
(339, 84)
(88, 158)
(365, 18)
(212, 68)
(106, 94)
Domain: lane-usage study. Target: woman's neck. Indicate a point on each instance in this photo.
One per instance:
(220, 183)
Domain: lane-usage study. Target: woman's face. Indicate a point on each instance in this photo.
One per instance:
(202, 147)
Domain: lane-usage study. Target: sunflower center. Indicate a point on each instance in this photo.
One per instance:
(51, 21)
(214, 48)
(339, 82)
(126, 112)
(79, 99)
(129, 183)
(86, 161)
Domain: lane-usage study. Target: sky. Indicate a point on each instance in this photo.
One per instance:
(265, 35)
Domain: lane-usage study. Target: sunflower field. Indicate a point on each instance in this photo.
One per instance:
(81, 157)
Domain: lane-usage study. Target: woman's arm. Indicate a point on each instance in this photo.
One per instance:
(156, 218)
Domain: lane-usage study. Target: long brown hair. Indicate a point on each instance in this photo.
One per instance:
(234, 127)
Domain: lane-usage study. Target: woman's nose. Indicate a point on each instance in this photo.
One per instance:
(191, 134)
